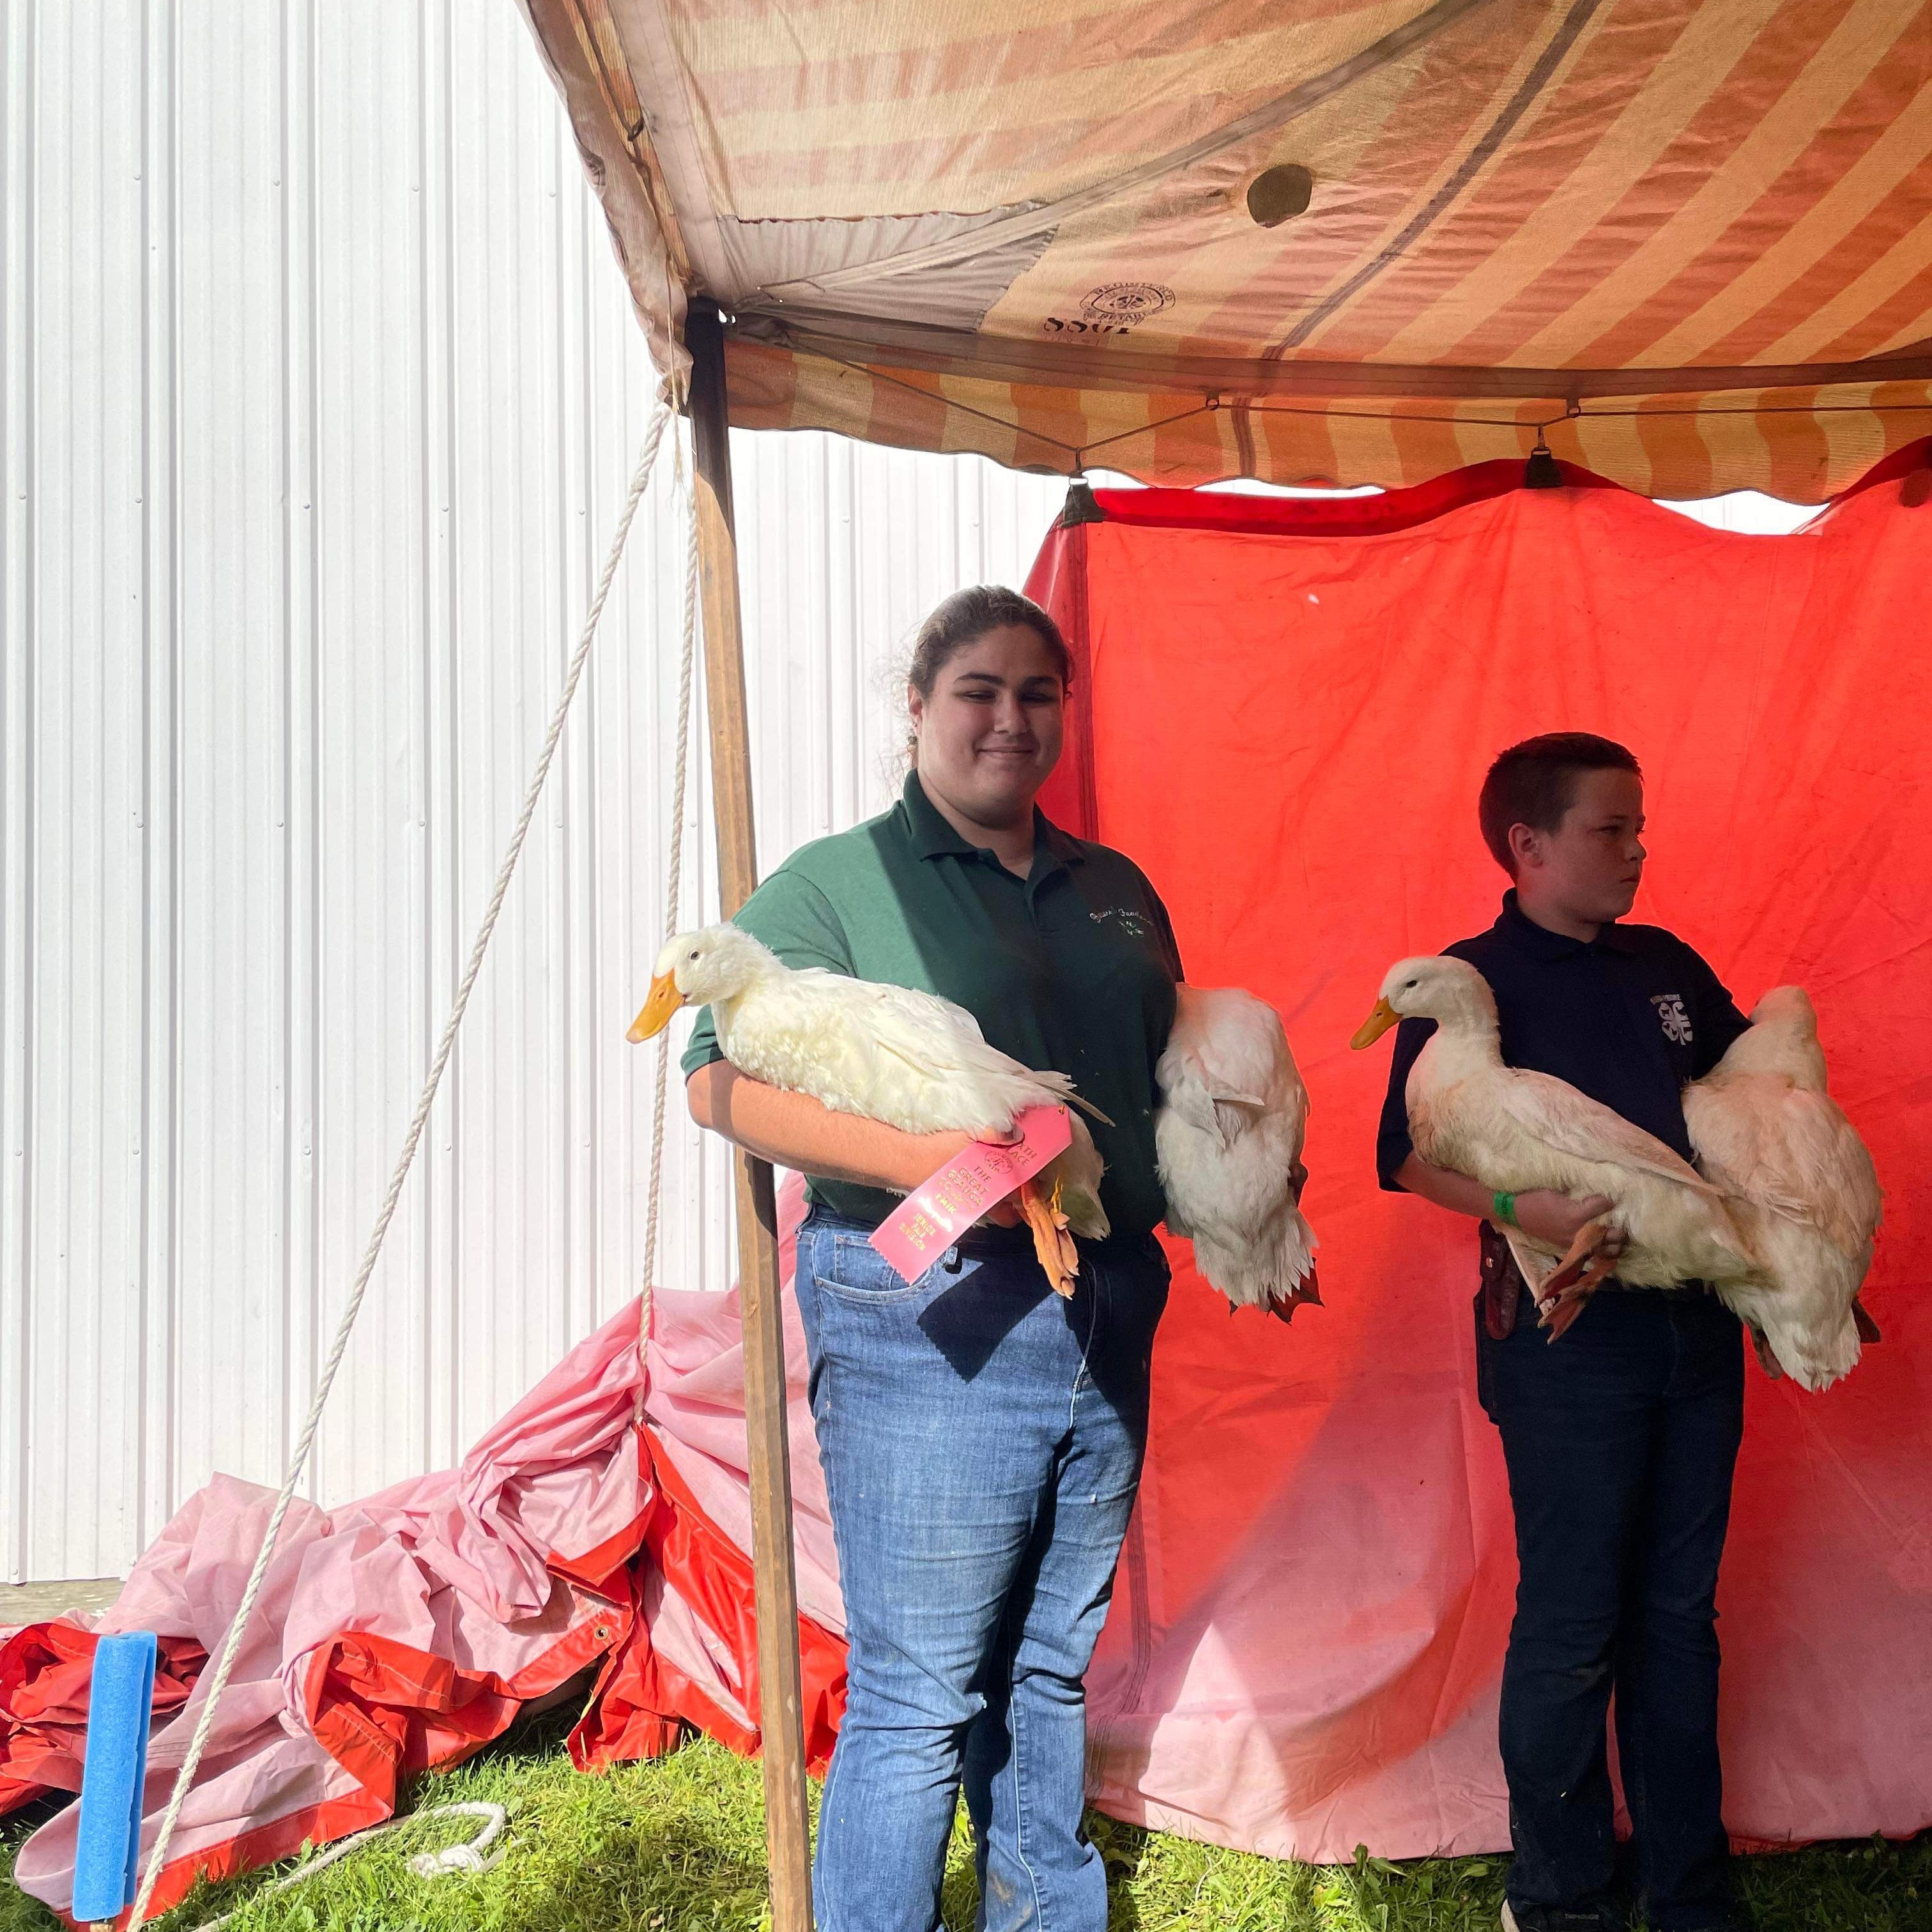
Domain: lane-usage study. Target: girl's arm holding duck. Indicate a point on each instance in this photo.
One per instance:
(793, 1130)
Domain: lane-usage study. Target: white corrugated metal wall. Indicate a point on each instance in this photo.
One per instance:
(320, 395)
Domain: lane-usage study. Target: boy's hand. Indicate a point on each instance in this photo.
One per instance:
(1554, 1219)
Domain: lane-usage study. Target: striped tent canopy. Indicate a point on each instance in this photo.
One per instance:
(1688, 242)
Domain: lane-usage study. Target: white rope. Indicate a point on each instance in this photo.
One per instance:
(467, 1857)
(674, 906)
(184, 1777)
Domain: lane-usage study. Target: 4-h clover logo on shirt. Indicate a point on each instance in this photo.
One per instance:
(1676, 1021)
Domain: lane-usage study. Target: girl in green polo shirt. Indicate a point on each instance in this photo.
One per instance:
(982, 1439)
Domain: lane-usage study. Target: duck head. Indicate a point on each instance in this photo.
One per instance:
(1430, 987)
(698, 969)
(1783, 1039)
(1786, 1005)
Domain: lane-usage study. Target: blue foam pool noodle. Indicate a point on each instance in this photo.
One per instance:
(107, 1851)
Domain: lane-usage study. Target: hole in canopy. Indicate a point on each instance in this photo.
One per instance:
(1279, 193)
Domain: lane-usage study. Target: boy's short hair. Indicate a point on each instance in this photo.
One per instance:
(1534, 783)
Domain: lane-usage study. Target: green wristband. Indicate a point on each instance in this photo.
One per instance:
(1505, 1207)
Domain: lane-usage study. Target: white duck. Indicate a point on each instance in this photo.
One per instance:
(1514, 1130)
(1764, 1126)
(909, 1059)
(1228, 1141)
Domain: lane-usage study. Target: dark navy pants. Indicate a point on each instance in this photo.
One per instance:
(1620, 1440)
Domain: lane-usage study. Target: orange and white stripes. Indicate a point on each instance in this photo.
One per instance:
(1708, 221)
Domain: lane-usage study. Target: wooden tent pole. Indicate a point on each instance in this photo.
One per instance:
(780, 1715)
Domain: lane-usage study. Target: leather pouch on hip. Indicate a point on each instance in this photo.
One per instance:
(1503, 1284)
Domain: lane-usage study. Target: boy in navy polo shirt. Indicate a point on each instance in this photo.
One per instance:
(1621, 1437)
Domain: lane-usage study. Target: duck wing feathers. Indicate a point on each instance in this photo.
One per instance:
(872, 1044)
(1557, 1114)
(928, 1033)
(1221, 1116)
(1791, 1151)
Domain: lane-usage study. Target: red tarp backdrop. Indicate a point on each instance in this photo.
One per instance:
(1284, 711)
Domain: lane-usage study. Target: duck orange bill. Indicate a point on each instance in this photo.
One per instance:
(660, 1002)
(1377, 1024)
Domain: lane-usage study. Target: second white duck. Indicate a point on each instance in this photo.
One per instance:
(1228, 1139)
(1763, 1125)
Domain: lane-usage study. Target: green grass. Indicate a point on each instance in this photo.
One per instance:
(677, 1846)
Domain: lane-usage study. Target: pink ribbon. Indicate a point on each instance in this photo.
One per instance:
(940, 1209)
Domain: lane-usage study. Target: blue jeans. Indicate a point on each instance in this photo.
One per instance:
(1621, 1439)
(982, 1441)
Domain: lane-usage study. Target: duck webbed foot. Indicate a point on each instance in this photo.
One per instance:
(1307, 1289)
(1052, 1241)
(1592, 1258)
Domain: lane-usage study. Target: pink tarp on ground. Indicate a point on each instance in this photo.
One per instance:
(404, 1632)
